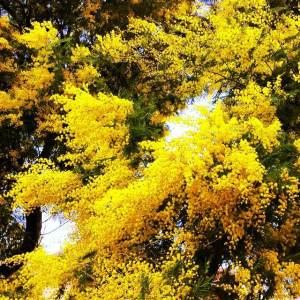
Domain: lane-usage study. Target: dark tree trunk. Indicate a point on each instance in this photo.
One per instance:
(30, 241)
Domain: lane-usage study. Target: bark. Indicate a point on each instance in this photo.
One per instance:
(30, 242)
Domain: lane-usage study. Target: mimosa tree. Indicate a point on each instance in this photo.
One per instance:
(212, 214)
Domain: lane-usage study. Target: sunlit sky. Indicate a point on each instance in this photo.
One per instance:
(55, 231)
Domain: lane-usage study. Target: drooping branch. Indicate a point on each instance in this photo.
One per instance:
(33, 222)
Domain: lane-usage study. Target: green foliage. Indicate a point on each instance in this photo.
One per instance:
(145, 285)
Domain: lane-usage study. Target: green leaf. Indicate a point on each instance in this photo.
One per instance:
(173, 272)
(145, 286)
(203, 288)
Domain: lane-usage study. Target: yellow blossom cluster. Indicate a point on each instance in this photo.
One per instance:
(94, 128)
(40, 36)
(42, 185)
(113, 46)
(27, 86)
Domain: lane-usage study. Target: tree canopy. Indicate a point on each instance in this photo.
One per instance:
(87, 88)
